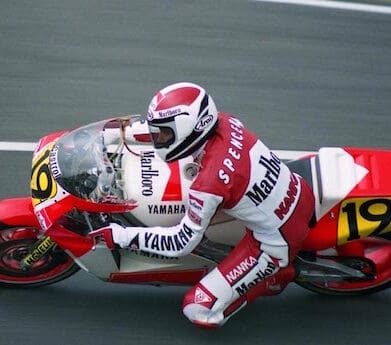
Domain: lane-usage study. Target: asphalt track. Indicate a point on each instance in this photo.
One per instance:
(301, 77)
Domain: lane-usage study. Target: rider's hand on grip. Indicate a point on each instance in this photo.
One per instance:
(116, 236)
(125, 236)
(103, 235)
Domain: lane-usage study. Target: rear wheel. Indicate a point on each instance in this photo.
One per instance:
(375, 262)
(15, 244)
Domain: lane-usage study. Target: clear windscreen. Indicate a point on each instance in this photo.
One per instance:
(84, 165)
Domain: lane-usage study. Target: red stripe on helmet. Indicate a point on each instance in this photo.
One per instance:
(184, 95)
(159, 97)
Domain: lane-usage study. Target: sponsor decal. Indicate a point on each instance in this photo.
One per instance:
(147, 173)
(241, 269)
(203, 122)
(196, 202)
(167, 209)
(260, 276)
(170, 113)
(195, 218)
(53, 161)
(289, 199)
(39, 251)
(261, 190)
(201, 296)
(169, 243)
(233, 152)
(43, 219)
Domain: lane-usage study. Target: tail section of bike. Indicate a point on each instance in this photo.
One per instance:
(20, 233)
(348, 251)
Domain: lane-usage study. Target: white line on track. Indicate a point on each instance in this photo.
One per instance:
(341, 5)
(16, 146)
(29, 147)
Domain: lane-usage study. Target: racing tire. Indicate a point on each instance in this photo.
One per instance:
(317, 288)
(53, 267)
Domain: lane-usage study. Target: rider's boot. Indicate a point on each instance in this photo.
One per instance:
(212, 301)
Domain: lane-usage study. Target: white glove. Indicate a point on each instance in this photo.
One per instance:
(123, 236)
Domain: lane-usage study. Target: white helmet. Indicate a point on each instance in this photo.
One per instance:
(181, 117)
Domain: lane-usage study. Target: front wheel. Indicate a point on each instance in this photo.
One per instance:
(53, 267)
(374, 257)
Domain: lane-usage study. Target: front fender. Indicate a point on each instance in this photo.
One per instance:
(17, 212)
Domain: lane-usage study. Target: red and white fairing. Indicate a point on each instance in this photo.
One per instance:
(353, 195)
(351, 186)
(155, 193)
(160, 188)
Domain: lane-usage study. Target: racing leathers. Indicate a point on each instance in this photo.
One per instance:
(239, 175)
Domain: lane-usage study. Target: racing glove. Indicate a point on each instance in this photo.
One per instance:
(115, 236)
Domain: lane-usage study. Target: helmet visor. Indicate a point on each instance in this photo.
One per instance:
(162, 136)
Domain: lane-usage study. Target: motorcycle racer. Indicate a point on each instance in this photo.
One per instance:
(239, 175)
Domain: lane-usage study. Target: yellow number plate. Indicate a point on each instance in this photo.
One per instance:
(43, 186)
(363, 217)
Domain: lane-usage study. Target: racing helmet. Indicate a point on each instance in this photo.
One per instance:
(181, 117)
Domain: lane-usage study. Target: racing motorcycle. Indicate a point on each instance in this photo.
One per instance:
(107, 171)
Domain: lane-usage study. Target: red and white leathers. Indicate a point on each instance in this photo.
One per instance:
(241, 176)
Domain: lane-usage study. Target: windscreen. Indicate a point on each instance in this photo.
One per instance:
(85, 168)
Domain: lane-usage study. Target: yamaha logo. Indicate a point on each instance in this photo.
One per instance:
(203, 123)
